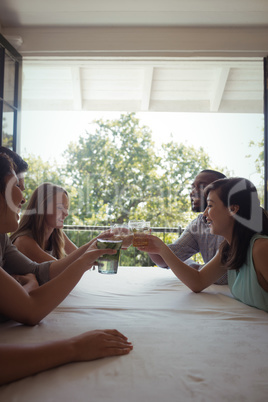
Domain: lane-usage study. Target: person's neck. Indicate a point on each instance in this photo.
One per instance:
(48, 232)
(228, 237)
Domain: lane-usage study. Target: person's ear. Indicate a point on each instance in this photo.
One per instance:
(233, 209)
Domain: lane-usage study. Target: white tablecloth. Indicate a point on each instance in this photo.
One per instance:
(187, 346)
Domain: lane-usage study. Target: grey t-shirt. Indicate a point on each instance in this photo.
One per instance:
(196, 238)
(16, 263)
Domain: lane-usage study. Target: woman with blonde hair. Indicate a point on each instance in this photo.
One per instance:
(40, 234)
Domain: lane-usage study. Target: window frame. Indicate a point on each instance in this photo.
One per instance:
(7, 49)
(265, 112)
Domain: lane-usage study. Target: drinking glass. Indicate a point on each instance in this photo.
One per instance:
(108, 263)
(139, 230)
(122, 232)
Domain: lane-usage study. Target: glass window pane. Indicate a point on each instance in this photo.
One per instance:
(8, 127)
(9, 79)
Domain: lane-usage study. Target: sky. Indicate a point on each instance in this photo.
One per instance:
(225, 137)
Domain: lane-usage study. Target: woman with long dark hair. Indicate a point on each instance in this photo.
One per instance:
(234, 212)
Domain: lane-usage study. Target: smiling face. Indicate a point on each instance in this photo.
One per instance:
(198, 201)
(219, 217)
(57, 211)
(10, 204)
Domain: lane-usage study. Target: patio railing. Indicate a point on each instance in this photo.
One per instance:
(132, 256)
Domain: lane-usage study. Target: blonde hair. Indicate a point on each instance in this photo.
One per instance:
(33, 218)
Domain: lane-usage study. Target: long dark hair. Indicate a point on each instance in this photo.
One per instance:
(249, 219)
(6, 168)
(20, 166)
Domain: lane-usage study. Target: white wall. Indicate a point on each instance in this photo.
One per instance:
(134, 41)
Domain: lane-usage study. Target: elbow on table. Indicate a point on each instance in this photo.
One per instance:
(31, 323)
(197, 284)
(197, 288)
(30, 319)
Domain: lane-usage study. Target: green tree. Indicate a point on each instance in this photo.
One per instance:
(259, 162)
(7, 139)
(40, 172)
(117, 174)
(179, 164)
(113, 170)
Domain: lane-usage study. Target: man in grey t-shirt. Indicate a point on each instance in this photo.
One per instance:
(196, 237)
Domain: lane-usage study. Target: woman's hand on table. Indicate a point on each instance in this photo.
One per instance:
(19, 361)
(97, 344)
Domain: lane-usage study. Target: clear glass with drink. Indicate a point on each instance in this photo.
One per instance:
(108, 263)
(139, 230)
(122, 232)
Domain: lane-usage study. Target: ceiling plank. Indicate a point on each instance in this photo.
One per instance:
(147, 87)
(77, 92)
(174, 86)
(219, 86)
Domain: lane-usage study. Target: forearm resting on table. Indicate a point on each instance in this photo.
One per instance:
(49, 295)
(21, 361)
(158, 260)
(196, 280)
(188, 275)
(29, 308)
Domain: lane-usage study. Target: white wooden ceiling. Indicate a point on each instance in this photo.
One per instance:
(147, 55)
(178, 85)
(133, 13)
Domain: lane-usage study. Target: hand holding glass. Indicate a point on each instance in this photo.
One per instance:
(108, 263)
(122, 232)
(139, 230)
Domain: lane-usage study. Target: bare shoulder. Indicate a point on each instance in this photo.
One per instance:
(260, 247)
(260, 258)
(26, 245)
(24, 240)
(29, 247)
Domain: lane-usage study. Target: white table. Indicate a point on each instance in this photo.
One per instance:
(187, 346)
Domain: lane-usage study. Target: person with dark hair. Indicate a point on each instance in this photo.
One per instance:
(27, 272)
(234, 212)
(20, 166)
(31, 238)
(197, 237)
(29, 307)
